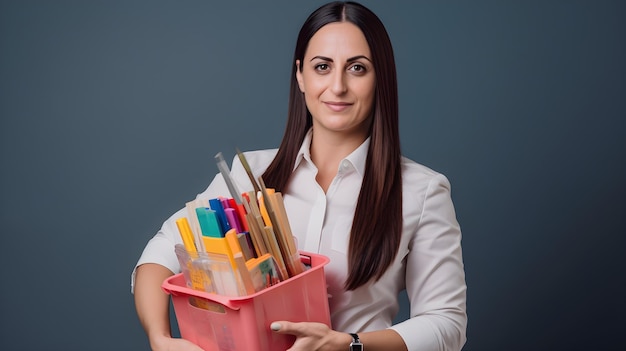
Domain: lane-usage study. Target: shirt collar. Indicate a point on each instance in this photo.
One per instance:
(357, 158)
(305, 152)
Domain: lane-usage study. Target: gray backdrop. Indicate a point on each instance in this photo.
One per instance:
(111, 113)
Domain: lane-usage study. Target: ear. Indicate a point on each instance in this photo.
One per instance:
(299, 76)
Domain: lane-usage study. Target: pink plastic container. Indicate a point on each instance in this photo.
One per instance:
(243, 323)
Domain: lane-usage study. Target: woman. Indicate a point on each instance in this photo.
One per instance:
(386, 222)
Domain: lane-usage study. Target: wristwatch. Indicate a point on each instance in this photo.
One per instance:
(355, 345)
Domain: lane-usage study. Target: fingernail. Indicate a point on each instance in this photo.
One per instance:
(275, 326)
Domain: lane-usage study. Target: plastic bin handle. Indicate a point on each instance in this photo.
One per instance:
(226, 301)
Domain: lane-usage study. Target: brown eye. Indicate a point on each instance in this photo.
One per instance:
(321, 67)
(357, 68)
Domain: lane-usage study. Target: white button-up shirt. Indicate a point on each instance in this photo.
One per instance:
(428, 264)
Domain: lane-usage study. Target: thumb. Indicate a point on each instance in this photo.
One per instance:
(284, 327)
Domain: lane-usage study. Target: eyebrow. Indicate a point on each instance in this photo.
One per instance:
(351, 59)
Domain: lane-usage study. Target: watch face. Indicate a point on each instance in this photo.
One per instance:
(356, 347)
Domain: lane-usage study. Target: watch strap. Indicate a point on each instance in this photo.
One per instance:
(356, 344)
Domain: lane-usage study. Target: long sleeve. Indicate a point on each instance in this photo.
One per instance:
(435, 278)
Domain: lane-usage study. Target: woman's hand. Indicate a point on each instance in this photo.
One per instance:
(165, 343)
(313, 336)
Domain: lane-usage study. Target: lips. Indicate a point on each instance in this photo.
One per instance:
(337, 106)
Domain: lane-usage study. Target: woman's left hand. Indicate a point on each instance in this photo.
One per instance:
(312, 336)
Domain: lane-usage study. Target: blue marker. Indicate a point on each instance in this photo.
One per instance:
(216, 205)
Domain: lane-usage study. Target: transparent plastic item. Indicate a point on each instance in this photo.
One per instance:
(225, 323)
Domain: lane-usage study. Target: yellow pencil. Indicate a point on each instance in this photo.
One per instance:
(185, 232)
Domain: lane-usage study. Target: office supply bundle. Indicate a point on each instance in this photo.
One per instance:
(239, 245)
(241, 271)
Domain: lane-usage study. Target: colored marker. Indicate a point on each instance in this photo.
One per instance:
(208, 222)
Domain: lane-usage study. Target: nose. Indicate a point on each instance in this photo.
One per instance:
(338, 83)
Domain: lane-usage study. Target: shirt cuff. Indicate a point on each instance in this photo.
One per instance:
(418, 334)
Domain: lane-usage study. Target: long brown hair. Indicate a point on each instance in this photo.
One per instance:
(377, 224)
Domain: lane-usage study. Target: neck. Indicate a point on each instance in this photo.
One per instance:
(333, 146)
(328, 149)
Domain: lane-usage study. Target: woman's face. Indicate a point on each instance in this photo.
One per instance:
(338, 79)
